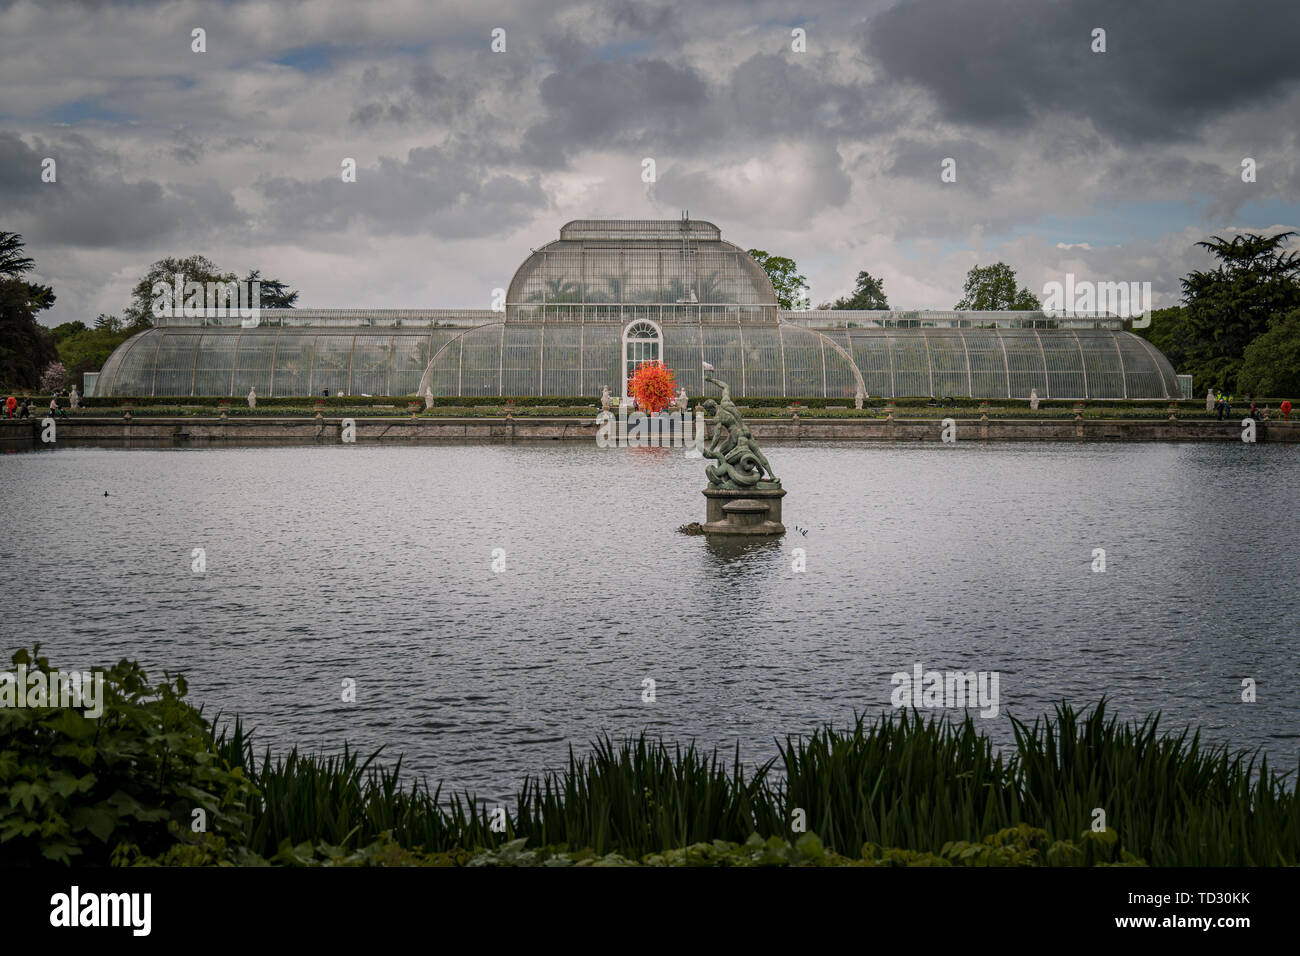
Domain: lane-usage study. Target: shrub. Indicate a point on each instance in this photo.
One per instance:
(83, 787)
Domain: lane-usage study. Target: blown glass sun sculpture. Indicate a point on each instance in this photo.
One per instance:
(653, 386)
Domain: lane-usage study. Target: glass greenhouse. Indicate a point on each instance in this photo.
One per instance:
(583, 311)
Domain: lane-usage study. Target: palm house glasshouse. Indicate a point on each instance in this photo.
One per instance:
(582, 311)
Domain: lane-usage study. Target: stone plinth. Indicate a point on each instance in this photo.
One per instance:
(756, 511)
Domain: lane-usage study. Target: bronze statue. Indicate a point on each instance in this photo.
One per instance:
(740, 464)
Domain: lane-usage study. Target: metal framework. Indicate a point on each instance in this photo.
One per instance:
(575, 315)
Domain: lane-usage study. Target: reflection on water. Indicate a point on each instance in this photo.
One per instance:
(375, 563)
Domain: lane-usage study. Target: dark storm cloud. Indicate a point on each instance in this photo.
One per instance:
(92, 205)
(977, 166)
(417, 95)
(595, 104)
(433, 192)
(1170, 65)
(658, 21)
(778, 95)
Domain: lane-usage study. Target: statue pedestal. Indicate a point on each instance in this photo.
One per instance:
(756, 511)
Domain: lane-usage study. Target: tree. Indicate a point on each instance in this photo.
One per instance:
(1171, 333)
(868, 294)
(86, 350)
(993, 289)
(1271, 364)
(12, 261)
(14, 265)
(274, 293)
(1229, 307)
(25, 346)
(67, 329)
(139, 314)
(53, 378)
(789, 285)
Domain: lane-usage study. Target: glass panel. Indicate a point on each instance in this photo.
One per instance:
(948, 360)
(682, 355)
(253, 358)
(911, 366)
(444, 376)
(174, 363)
(1104, 377)
(762, 346)
(1064, 364)
(129, 369)
(370, 357)
(330, 368)
(840, 380)
(521, 357)
(803, 363)
(602, 357)
(480, 361)
(560, 358)
(870, 350)
(988, 368)
(722, 351)
(294, 352)
(1025, 362)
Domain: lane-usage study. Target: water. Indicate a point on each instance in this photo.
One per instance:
(375, 563)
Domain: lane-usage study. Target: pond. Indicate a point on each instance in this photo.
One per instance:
(496, 604)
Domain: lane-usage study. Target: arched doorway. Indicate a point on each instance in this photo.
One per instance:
(642, 342)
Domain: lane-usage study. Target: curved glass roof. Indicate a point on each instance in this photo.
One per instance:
(666, 271)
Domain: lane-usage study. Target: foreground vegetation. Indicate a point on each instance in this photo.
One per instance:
(154, 782)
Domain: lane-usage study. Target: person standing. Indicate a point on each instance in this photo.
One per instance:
(10, 404)
(25, 409)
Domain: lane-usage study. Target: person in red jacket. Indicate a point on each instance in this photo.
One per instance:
(1286, 409)
(10, 404)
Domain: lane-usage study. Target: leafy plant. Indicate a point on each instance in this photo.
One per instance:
(77, 786)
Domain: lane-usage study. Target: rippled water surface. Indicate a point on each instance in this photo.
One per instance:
(376, 563)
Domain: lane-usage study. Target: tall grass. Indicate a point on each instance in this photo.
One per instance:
(901, 781)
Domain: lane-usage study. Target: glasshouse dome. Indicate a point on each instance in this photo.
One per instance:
(584, 310)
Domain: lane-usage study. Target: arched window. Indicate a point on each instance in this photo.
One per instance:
(642, 342)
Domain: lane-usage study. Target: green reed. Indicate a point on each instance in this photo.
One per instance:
(900, 781)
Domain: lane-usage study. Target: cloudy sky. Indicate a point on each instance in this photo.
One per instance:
(1108, 165)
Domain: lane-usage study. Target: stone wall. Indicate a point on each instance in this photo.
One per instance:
(199, 431)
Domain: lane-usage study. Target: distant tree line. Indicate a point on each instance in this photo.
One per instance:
(1239, 324)
(33, 356)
